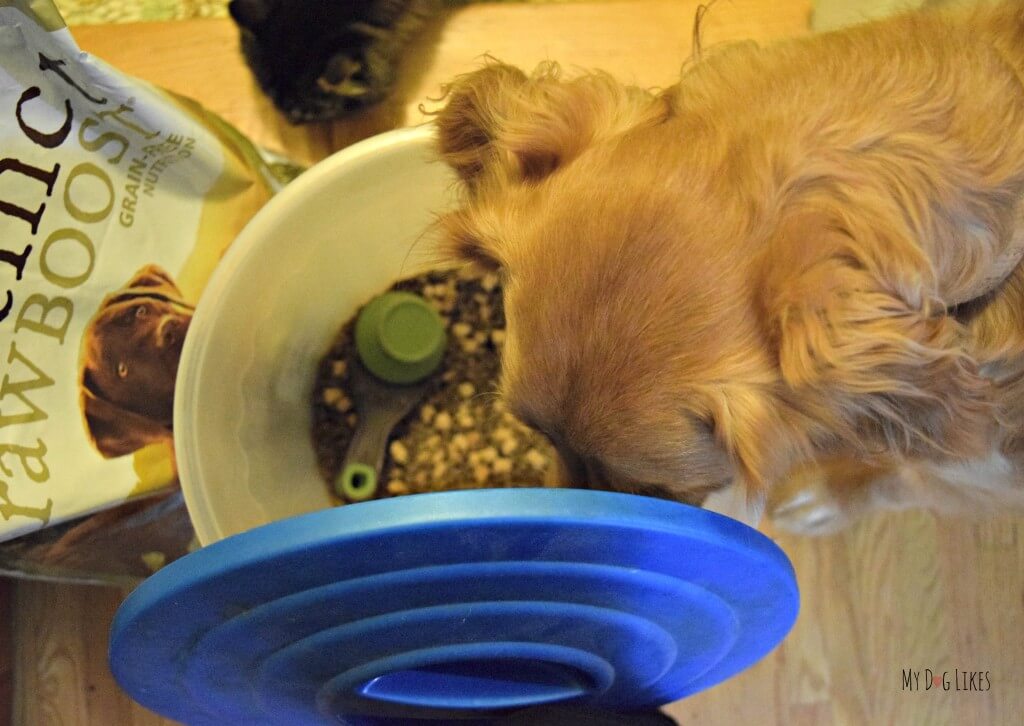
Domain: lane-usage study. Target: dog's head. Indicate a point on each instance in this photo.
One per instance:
(130, 359)
(670, 328)
(628, 345)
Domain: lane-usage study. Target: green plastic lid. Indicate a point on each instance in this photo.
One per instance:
(400, 338)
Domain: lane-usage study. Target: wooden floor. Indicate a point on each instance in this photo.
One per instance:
(898, 592)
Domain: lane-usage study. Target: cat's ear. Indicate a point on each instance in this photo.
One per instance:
(525, 127)
(249, 14)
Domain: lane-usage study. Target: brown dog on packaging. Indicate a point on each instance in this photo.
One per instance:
(130, 355)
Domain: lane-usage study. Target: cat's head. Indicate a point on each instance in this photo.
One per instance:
(321, 59)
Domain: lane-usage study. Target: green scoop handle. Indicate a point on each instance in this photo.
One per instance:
(400, 341)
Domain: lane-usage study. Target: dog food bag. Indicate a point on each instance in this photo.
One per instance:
(116, 202)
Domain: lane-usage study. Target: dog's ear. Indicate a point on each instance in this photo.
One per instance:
(526, 126)
(479, 104)
(750, 425)
(465, 238)
(153, 277)
(850, 301)
(116, 431)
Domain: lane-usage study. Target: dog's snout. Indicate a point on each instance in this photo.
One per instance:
(596, 476)
(582, 471)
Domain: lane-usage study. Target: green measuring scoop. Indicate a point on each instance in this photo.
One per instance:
(400, 341)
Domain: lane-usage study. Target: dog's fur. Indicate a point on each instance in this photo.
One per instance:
(767, 268)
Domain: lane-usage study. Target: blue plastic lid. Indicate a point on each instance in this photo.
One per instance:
(454, 605)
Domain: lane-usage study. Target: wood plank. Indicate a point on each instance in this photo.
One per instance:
(6, 650)
(60, 648)
(897, 591)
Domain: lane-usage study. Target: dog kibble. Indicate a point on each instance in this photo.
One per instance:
(154, 560)
(398, 452)
(501, 433)
(343, 404)
(332, 395)
(536, 459)
(456, 438)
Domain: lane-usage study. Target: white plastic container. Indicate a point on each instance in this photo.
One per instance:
(335, 237)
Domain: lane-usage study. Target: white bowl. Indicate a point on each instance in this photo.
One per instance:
(339, 234)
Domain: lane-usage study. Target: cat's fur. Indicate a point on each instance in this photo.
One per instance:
(322, 59)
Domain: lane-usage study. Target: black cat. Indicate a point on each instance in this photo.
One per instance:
(323, 59)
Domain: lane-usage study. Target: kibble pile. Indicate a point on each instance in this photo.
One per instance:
(460, 436)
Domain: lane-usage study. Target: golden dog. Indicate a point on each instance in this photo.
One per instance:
(774, 273)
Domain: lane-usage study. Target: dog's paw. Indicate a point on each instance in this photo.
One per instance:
(807, 505)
